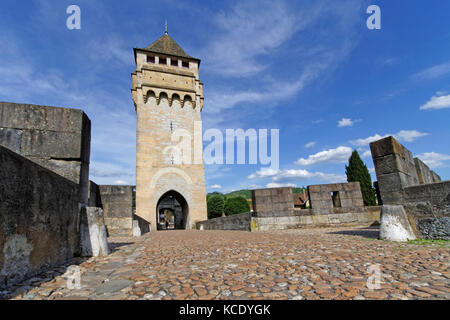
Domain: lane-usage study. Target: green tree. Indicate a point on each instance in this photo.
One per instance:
(215, 204)
(357, 171)
(236, 205)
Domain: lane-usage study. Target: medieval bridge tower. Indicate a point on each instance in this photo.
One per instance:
(168, 98)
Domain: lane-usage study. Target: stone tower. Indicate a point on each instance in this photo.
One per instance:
(168, 98)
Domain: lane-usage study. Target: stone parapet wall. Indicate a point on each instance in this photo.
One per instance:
(55, 138)
(396, 169)
(273, 202)
(408, 182)
(349, 197)
(234, 222)
(365, 217)
(39, 218)
(428, 207)
(117, 203)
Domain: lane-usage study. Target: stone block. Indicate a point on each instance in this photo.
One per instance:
(11, 139)
(321, 219)
(49, 132)
(387, 146)
(391, 163)
(29, 116)
(395, 225)
(392, 182)
(436, 178)
(94, 195)
(51, 144)
(93, 235)
(423, 172)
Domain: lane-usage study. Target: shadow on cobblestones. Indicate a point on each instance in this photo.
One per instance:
(114, 246)
(369, 233)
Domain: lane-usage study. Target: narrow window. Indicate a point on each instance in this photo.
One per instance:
(150, 59)
(174, 62)
(162, 60)
(336, 199)
(185, 64)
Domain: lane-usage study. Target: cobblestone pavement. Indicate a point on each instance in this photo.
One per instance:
(296, 264)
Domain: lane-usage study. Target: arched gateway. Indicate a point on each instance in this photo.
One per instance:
(172, 211)
(168, 98)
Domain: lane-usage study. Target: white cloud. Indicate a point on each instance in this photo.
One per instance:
(215, 186)
(112, 48)
(365, 141)
(292, 176)
(437, 102)
(403, 135)
(337, 155)
(409, 135)
(279, 185)
(310, 144)
(433, 159)
(120, 182)
(254, 186)
(250, 29)
(366, 154)
(346, 122)
(433, 72)
(250, 35)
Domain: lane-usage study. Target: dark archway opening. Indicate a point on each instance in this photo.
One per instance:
(172, 211)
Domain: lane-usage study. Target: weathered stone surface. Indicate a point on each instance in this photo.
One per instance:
(423, 172)
(395, 225)
(49, 131)
(38, 217)
(233, 222)
(364, 217)
(117, 203)
(273, 202)
(93, 233)
(348, 195)
(11, 139)
(94, 195)
(55, 138)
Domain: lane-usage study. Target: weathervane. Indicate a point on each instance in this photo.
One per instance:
(165, 29)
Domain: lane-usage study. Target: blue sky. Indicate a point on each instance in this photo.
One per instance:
(309, 68)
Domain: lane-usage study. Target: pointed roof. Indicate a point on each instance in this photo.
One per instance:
(166, 45)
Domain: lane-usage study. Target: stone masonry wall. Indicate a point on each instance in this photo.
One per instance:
(38, 218)
(365, 216)
(407, 181)
(55, 138)
(428, 207)
(424, 174)
(117, 202)
(349, 195)
(395, 168)
(273, 202)
(233, 222)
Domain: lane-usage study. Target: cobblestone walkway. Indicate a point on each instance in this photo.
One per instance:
(297, 264)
